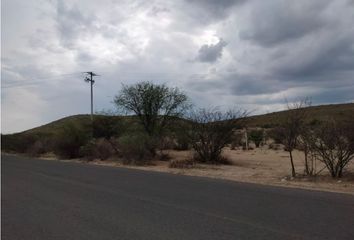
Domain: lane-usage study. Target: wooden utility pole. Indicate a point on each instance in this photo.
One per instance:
(89, 78)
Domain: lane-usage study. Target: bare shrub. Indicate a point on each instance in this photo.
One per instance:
(292, 126)
(333, 143)
(211, 131)
(36, 149)
(97, 149)
(236, 140)
(182, 141)
(277, 134)
(164, 156)
(166, 143)
(275, 146)
(187, 163)
(304, 144)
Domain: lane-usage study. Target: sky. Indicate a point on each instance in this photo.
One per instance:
(249, 54)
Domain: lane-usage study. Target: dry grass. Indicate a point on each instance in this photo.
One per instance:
(261, 166)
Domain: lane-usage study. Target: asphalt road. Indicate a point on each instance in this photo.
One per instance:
(55, 200)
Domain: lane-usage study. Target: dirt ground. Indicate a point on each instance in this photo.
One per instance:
(261, 165)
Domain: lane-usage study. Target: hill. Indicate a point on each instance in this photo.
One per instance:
(339, 112)
(19, 141)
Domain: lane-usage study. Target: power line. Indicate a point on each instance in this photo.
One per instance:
(36, 81)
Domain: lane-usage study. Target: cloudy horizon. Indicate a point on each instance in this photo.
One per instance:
(248, 54)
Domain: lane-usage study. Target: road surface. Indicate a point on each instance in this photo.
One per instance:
(55, 200)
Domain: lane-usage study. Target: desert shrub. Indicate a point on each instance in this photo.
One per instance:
(277, 134)
(164, 156)
(236, 140)
(250, 146)
(136, 148)
(267, 125)
(36, 149)
(211, 131)
(182, 142)
(166, 143)
(18, 142)
(106, 127)
(276, 146)
(221, 160)
(256, 136)
(97, 149)
(187, 163)
(315, 122)
(69, 140)
(333, 144)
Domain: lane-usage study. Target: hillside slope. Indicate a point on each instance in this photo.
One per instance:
(340, 112)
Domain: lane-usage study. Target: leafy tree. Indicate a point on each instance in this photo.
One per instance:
(155, 105)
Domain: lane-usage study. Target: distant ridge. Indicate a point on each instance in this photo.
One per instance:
(340, 112)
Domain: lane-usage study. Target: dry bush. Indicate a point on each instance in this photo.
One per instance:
(236, 140)
(292, 126)
(164, 156)
(333, 144)
(136, 148)
(276, 147)
(36, 149)
(166, 143)
(211, 130)
(187, 163)
(70, 139)
(182, 143)
(221, 160)
(97, 149)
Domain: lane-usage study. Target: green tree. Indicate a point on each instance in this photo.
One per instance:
(155, 105)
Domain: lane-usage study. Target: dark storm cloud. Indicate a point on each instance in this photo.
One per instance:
(211, 53)
(331, 58)
(72, 23)
(212, 9)
(240, 85)
(276, 22)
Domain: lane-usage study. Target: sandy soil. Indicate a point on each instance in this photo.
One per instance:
(263, 166)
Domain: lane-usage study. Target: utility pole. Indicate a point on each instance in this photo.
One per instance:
(89, 78)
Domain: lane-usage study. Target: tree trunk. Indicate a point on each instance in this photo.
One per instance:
(307, 172)
(293, 173)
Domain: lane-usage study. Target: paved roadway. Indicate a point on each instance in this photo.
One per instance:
(55, 200)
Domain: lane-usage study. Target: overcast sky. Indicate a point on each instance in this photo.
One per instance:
(228, 53)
